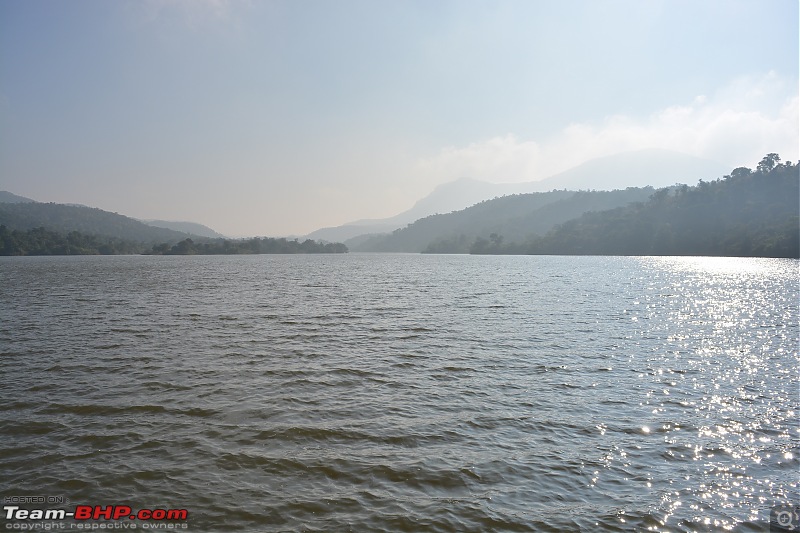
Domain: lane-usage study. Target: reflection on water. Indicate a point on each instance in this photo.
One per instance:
(738, 342)
(719, 265)
(404, 392)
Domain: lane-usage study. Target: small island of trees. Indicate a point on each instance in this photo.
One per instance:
(255, 245)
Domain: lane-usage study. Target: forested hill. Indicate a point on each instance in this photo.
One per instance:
(516, 217)
(192, 228)
(748, 213)
(57, 229)
(10, 198)
(64, 219)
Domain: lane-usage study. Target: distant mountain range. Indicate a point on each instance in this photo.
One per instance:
(509, 218)
(192, 228)
(28, 227)
(21, 213)
(656, 168)
(746, 213)
(87, 220)
(444, 199)
(514, 217)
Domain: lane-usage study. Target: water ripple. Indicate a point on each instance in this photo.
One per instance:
(405, 393)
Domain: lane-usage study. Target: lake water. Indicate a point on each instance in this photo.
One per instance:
(405, 392)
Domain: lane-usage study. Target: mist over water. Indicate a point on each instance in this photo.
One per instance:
(405, 392)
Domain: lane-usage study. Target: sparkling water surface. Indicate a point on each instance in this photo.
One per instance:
(405, 392)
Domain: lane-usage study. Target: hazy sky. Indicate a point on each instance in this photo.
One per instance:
(280, 117)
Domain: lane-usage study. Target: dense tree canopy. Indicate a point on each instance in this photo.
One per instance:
(746, 213)
(40, 241)
(86, 220)
(255, 245)
(515, 217)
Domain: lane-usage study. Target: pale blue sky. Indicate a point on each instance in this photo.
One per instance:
(269, 118)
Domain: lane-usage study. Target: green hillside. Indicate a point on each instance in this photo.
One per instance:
(748, 213)
(64, 219)
(516, 217)
(11, 198)
(57, 229)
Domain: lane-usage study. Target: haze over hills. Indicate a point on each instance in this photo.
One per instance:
(746, 213)
(514, 216)
(34, 228)
(445, 198)
(11, 198)
(655, 167)
(94, 221)
(192, 228)
(87, 220)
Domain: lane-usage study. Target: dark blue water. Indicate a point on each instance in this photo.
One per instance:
(405, 392)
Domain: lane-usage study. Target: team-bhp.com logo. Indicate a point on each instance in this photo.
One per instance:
(87, 517)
